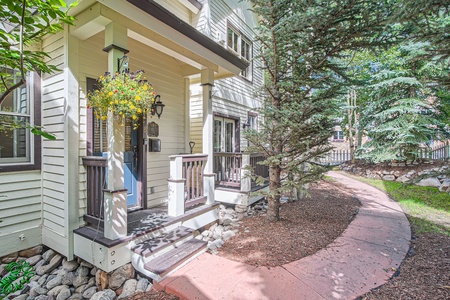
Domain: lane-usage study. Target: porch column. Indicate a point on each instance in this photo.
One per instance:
(207, 82)
(115, 195)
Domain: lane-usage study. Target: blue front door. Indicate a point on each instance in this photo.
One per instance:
(131, 165)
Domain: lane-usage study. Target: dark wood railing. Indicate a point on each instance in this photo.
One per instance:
(96, 183)
(229, 167)
(193, 170)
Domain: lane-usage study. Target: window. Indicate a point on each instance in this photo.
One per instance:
(19, 149)
(224, 135)
(338, 135)
(241, 46)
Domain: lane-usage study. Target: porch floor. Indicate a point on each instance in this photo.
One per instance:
(142, 222)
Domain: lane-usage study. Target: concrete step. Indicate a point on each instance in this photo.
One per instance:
(174, 259)
(160, 243)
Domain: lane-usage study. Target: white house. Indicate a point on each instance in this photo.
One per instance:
(96, 191)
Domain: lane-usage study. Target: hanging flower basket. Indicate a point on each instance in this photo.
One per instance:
(126, 95)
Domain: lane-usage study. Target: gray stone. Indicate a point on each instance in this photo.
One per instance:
(68, 278)
(207, 233)
(129, 287)
(90, 292)
(86, 264)
(43, 279)
(70, 265)
(149, 287)
(76, 297)
(54, 282)
(226, 221)
(79, 281)
(53, 264)
(82, 271)
(215, 244)
(33, 260)
(43, 297)
(81, 289)
(444, 185)
(109, 294)
(388, 177)
(142, 285)
(40, 263)
(228, 235)
(64, 293)
(240, 208)
(403, 179)
(31, 252)
(93, 271)
(120, 275)
(432, 181)
(10, 258)
(56, 290)
(48, 255)
(21, 297)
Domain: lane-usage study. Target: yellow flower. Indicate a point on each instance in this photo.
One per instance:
(110, 93)
(131, 106)
(134, 117)
(137, 97)
(144, 87)
(139, 110)
(117, 101)
(110, 102)
(104, 118)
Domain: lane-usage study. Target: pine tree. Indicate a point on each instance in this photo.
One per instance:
(302, 43)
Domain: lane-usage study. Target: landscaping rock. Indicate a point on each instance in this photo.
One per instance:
(90, 292)
(70, 265)
(129, 287)
(33, 260)
(48, 255)
(432, 181)
(142, 285)
(27, 253)
(389, 177)
(120, 275)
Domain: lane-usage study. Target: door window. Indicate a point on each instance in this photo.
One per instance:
(224, 135)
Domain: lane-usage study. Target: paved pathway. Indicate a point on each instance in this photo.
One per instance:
(364, 257)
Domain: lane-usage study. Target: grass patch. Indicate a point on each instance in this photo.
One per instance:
(427, 208)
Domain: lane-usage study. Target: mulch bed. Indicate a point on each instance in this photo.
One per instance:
(306, 226)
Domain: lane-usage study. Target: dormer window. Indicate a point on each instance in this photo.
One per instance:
(242, 47)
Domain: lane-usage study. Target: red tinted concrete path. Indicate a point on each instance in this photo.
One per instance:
(364, 257)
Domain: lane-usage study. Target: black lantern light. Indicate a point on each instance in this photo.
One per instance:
(158, 107)
(122, 64)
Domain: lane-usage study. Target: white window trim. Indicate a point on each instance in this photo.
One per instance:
(238, 53)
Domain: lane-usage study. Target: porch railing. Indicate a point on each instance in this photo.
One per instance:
(193, 170)
(96, 183)
(230, 169)
(188, 183)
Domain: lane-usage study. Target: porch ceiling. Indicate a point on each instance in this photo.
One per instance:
(160, 29)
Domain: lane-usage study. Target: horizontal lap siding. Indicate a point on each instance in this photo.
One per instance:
(21, 204)
(164, 73)
(234, 96)
(93, 62)
(53, 166)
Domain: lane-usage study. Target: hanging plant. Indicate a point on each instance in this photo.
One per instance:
(126, 95)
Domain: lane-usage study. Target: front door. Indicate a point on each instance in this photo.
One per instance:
(133, 153)
(131, 164)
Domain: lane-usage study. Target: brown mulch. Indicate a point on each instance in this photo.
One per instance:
(306, 226)
(424, 274)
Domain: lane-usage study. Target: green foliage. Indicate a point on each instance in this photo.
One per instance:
(19, 273)
(302, 44)
(27, 22)
(404, 111)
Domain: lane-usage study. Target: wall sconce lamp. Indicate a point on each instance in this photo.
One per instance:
(122, 64)
(246, 124)
(158, 107)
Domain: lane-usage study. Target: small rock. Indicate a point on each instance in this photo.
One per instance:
(31, 252)
(54, 282)
(56, 290)
(21, 297)
(101, 279)
(79, 281)
(64, 293)
(129, 287)
(86, 264)
(70, 265)
(10, 258)
(68, 278)
(43, 297)
(432, 181)
(142, 285)
(43, 280)
(215, 244)
(228, 235)
(82, 271)
(34, 259)
(53, 264)
(120, 275)
(90, 292)
(388, 177)
(48, 255)
(76, 297)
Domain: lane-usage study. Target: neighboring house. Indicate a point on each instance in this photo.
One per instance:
(198, 57)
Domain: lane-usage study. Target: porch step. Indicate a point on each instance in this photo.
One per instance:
(162, 242)
(164, 264)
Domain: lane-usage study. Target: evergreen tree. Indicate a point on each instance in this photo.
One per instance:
(404, 111)
(302, 43)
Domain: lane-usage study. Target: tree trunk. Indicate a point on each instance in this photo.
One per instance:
(273, 209)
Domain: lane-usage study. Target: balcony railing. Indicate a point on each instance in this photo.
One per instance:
(230, 169)
(96, 183)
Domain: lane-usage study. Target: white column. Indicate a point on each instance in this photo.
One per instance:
(207, 81)
(176, 187)
(115, 195)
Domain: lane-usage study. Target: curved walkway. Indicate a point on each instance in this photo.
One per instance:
(364, 257)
